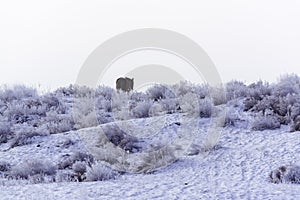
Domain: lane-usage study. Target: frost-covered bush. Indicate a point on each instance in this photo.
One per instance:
(218, 95)
(79, 168)
(33, 110)
(138, 96)
(264, 104)
(235, 89)
(189, 103)
(75, 91)
(65, 91)
(295, 111)
(156, 110)
(169, 105)
(104, 117)
(261, 123)
(23, 134)
(201, 91)
(141, 110)
(295, 126)
(280, 106)
(68, 160)
(33, 167)
(17, 92)
(120, 138)
(83, 91)
(102, 104)
(4, 166)
(288, 84)
(5, 131)
(158, 92)
(120, 100)
(182, 88)
(120, 105)
(259, 89)
(25, 110)
(286, 174)
(100, 172)
(249, 103)
(57, 123)
(205, 107)
(84, 113)
(105, 92)
(153, 160)
(232, 116)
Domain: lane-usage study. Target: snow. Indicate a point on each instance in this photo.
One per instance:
(237, 169)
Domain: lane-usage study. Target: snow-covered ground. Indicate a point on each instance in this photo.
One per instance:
(237, 169)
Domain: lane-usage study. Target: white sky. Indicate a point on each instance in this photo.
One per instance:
(46, 42)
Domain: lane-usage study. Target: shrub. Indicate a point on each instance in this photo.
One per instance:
(120, 105)
(79, 169)
(189, 103)
(280, 106)
(169, 105)
(286, 174)
(68, 161)
(32, 167)
(153, 160)
(65, 91)
(25, 110)
(264, 104)
(24, 133)
(218, 95)
(158, 92)
(84, 113)
(100, 172)
(201, 91)
(65, 176)
(141, 110)
(296, 124)
(259, 89)
(17, 92)
(235, 89)
(249, 103)
(261, 123)
(105, 92)
(138, 96)
(57, 123)
(205, 107)
(103, 104)
(288, 84)
(119, 101)
(5, 132)
(295, 111)
(104, 117)
(184, 87)
(156, 110)
(121, 139)
(4, 166)
(231, 117)
(83, 91)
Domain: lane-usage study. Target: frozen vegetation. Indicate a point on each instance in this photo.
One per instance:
(166, 143)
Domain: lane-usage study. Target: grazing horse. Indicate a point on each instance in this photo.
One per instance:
(125, 84)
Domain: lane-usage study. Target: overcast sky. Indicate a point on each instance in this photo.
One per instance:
(46, 42)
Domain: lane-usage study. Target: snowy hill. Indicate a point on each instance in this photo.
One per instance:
(172, 142)
(237, 169)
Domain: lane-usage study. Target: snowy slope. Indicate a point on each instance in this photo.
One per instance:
(237, 169)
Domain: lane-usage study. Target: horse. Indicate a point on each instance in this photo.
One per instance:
(125, 84)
